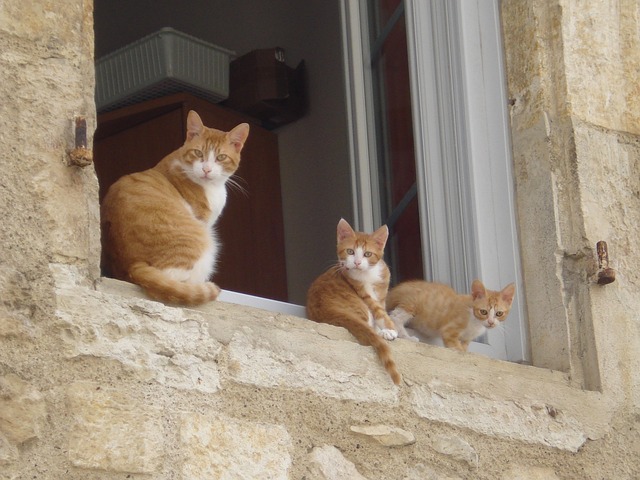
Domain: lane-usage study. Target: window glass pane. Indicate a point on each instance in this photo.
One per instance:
(396, 162)
(385, 9)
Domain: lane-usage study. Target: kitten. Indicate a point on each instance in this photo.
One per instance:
(434, 309)
(157, 225)
(352, 293)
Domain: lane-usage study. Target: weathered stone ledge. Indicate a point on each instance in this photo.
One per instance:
(273, 350)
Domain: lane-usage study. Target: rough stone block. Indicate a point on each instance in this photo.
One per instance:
(386, 435)
(328, 463)
(456, 448)
(527, 422)
(525, 472)
(420, 471)
(225, 448)
(112, 431)
(8, 451)
(16, 326)
(303, 360)
(170, 345)
(22, 409)
(604, 62)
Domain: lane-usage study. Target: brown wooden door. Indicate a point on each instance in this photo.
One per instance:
(251, 229)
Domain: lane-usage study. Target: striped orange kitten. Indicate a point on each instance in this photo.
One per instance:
(434, 309)
(352, 293)
(157, 225)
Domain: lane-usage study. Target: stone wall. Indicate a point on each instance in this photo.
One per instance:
(97, 382)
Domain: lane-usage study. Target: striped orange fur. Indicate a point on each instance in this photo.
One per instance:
(158, 225)
(436, 310)
(352, 293)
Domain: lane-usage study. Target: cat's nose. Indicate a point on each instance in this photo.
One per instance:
(206, 168)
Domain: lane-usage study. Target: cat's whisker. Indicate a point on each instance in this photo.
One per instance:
(502, 328)
(333, 266)
(235, 185)
(335, 269)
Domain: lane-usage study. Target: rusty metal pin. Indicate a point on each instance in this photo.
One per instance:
(80, 156)
(605, 273)
(81, 132)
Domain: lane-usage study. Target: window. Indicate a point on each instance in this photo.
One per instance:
(436, 164)
(428, 140)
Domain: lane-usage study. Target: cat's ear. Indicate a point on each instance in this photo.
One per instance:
(344, 230)
(194, 125)
(478, 290)
(508, 292)
(380, 236)
(238, 136)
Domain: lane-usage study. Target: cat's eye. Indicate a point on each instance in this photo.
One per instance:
(222, 157)
(198, 153)
(483, 312)
(367, 254)
(499, 314)
(350, 251)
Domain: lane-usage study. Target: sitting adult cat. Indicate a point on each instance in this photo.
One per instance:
(157, 225)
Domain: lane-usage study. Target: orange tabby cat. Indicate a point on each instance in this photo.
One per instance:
(157, 225)
(352, 293)
(434, 309)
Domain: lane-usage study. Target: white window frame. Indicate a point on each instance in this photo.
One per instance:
(262, 303)
(462, 147)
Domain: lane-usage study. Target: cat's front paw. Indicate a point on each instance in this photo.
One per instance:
(388, 334)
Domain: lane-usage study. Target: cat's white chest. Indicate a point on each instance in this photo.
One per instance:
(204, 267)
(368, 278)
(473, 330)
(216, 194)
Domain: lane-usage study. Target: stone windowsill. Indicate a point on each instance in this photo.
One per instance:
(272, 350)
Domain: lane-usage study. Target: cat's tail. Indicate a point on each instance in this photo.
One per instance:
(365, 335)
(161, 287)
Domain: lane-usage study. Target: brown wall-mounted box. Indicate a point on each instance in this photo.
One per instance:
(263, 86)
